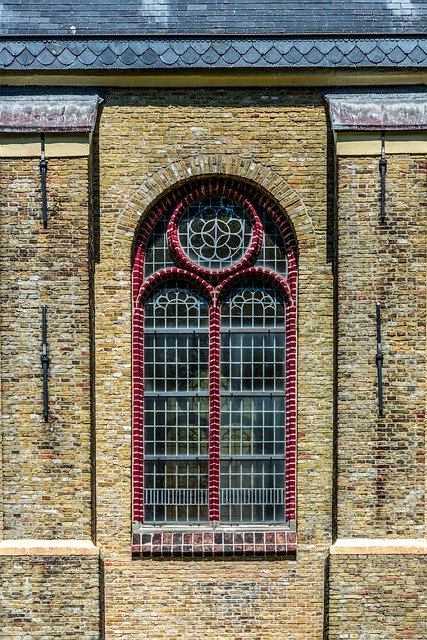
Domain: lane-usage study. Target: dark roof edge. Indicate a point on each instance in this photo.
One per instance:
(170, 53)
(325, 35)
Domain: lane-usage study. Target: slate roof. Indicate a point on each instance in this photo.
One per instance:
(203, 17)
(211, 34)
(202, 53)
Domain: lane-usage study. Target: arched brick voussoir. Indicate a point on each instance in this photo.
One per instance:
(174, 275)
(158, 184)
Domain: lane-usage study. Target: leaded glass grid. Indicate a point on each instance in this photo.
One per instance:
(252, 481)
(215, 232)
(176, 415)
(157, 252)
(273, 253)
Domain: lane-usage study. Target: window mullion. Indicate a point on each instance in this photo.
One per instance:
(214, 410)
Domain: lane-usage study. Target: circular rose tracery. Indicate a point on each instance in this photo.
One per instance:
(214, 233)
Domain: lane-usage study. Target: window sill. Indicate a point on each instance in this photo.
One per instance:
(224, 541)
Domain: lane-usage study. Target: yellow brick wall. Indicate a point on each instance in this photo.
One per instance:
(382, 460)
(150, 141)
(46, 466)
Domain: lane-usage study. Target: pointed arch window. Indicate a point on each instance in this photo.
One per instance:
(214, 288)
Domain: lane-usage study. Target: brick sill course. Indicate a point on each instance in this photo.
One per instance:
(207, 543)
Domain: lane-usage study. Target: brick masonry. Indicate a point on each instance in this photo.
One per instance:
(276, 140)
(378, 597)
(382, 460)
(46, 470)
(38, 601)
(149, 142)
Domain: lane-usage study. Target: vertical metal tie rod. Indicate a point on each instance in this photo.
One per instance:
(379, 361)
(383, 170)
(45, 365)
(43, 172)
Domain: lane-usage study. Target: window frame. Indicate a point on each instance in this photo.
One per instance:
(213, 537)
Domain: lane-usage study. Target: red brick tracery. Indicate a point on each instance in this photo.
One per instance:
(213, 285)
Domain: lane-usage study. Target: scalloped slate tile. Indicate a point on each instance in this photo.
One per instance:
(87, 58)
(169, 57)
(294, 55)
(150, 57)
(190, 57)
(376, 56)
(6, 58)
(251, 56)
(355, 56)
(273, 56)
(231, 56)
(334, 56)
(128, 56)
(210, 56)
(25, 58)
(67, 58)
(396, 55)
(46, 58)
(136, 53)
(108, 57)
(418, 55)
(314, 56)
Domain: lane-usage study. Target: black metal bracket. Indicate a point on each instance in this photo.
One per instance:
(45, 365)
(383, 171)
(43, 172)
(379, 361)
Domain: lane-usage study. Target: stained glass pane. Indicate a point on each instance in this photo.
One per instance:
(176, 426)
(252, 491)
(215, 232)
(250, 425)
(273, 251)
(176, 406)
(157, 253)
(176, 491)
(252, 484)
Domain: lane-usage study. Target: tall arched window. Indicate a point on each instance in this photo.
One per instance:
(214, 288)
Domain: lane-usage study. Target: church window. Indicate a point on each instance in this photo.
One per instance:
(214, 285)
